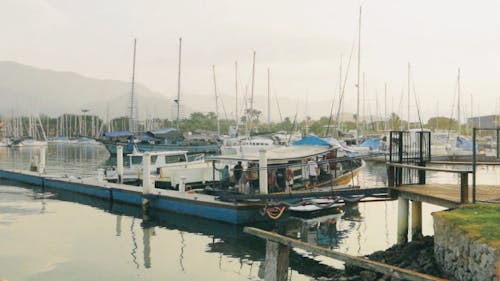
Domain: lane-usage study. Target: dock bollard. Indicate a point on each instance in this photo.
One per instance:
(119, 163)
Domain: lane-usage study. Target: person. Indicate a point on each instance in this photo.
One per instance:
(252, 176)
(312, 168)
(272, 183)
(323, 171)
(237, 171)
(224, 176)
(289, 179)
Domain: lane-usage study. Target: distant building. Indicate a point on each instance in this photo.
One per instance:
(488, 121)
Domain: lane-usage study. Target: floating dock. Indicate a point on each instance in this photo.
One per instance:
(191, 203)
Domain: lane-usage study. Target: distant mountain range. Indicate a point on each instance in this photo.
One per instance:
(28, 90)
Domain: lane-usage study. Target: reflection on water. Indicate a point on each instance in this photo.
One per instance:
(55, 235)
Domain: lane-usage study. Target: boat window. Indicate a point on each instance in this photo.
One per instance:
(136, 160)
(174, 158)
(154, 158)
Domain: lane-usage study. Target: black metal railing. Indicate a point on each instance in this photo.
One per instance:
(410, 148)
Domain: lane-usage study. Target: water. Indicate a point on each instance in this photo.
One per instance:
(53, 235)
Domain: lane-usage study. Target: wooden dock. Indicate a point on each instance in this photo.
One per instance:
(446, 195)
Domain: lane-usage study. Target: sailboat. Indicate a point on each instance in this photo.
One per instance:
(37, 136)
(156, 140)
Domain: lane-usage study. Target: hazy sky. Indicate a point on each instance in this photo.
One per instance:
(302, 42)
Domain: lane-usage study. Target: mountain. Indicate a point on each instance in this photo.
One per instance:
(28, 90)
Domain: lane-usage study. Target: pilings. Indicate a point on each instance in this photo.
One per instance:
(276, 262)
(43, 160)
(416, 220)
(262, 172)
(403, 217)
(403, 206)
(119, 163)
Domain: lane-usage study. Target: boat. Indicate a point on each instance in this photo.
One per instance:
(171, 166)
(336, 165)
(28, 141)
(157, 140)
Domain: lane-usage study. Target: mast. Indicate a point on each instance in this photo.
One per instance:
(458, 111)
(250, 115)
(178, 100)
(359, 71)
(216, 102)
(268, 97)
(236, 91)
(385, 107)
(131, 120)
(408, 96)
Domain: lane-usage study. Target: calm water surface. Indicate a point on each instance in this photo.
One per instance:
(53, 235)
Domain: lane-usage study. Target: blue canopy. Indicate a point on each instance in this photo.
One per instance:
(117, 134)
(312, 141)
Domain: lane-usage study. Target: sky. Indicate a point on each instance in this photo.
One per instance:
(305, 45)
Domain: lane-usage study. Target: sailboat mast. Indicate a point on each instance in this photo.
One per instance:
(385, 107)
(458, 110)
(216, 102)
(408, 96)
(250, 115)
(131, 121)
(178, 101)
(268, 97)
(359, 72)
(236, 91)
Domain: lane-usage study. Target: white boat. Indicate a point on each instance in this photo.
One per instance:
(168, 168)
(28, 142)
(245, 145)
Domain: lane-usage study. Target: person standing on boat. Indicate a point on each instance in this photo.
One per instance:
(272, 183)
(237, 172)
(252, 176)
(289, 175)
(224, 176)
(312, 168)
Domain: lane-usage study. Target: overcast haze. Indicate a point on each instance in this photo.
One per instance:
(302, 42)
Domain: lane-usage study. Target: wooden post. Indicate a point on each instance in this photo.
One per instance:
(262, 172)
(416, 220)
(464, 187)
(402, 220)
(119, 163)
(276, 263)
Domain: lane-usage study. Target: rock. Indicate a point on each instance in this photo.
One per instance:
(366, 275)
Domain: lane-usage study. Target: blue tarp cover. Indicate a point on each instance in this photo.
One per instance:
(373, 143)
(118, 134)
(312, 140)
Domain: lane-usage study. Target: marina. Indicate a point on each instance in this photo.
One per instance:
(273, 141)
(86, 189)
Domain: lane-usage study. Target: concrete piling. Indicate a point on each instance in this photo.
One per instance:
(416, 220)
(403, 208)
(262, 172)
(119, 163)
(43, 160)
